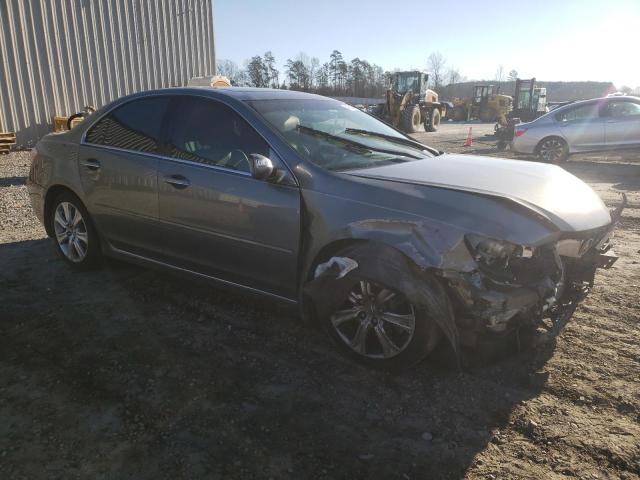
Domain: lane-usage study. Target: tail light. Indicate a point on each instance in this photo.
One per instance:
(520, 131)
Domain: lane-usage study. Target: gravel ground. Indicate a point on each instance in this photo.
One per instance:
(127, 373)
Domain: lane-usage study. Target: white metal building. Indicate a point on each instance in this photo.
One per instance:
(56, 56)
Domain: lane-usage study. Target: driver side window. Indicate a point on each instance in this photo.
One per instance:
(211, 133)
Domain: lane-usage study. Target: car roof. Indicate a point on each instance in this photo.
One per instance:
(594, 100)
(239, 93)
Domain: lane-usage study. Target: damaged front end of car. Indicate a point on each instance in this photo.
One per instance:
(515, 286)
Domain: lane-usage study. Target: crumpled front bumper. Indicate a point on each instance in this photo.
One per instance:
(484, 305)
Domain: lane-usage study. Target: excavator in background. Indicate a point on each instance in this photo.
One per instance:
(410, 104)
(487, 105)
(530, 102)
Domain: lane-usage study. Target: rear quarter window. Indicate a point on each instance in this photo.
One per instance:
(135, 126)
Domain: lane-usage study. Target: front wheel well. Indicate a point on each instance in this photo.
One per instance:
(52, 193)
(329, 251)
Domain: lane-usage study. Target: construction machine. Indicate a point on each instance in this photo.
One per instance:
(410, 104)
(530, 102)
(487, 104)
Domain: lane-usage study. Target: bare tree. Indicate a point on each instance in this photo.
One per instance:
(513, 75)
(626, 90)
(229, 69)
(500, 73)
(453, 75)
(436, 64)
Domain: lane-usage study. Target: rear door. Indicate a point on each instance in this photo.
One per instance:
(582, 126)
(622, 123)
(217, 218)
(118, 169)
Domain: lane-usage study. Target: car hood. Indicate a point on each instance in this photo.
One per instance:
(546, 189)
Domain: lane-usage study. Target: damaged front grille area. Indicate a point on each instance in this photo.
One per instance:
(515, 285)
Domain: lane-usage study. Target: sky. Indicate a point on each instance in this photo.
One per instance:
(563, 40)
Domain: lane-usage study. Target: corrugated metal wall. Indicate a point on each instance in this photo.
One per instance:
(59, 55)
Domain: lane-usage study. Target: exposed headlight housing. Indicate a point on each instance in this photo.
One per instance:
(493, 254)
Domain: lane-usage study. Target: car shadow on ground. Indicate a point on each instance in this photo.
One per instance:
(624, 174)
(126, 371)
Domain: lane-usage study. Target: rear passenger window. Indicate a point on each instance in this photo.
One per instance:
(584, 112)
(133, 126)
(211, 133)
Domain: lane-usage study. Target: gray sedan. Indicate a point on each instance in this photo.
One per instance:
(591, 125)
(394, 247)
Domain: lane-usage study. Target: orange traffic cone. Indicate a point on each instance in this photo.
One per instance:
(469, 141)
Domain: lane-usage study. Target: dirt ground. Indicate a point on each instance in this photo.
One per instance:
(125, 372)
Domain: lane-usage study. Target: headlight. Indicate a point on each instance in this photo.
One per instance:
(493, 253)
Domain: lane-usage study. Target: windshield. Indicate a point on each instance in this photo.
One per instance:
(404, 83)
(337, 136)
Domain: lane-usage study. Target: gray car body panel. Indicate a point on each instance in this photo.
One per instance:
(599, 133)
(417, 208)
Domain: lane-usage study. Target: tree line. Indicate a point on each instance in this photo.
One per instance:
(336, 76)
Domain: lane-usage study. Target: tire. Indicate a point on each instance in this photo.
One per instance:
(434, 122)
(378, 326)
(459, 114)
(74, 235)
(410, 119)
(487, 115)
(553, 150)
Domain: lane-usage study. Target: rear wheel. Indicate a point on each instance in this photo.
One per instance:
(459, 114)
(553, 150)
(75, 237)
(410, 119)
(434, 122)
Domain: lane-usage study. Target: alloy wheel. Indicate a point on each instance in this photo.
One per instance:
(375, 321)
(552, 150)
(71, 232)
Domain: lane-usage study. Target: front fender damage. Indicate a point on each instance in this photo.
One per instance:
(479, 304)
(336, 278)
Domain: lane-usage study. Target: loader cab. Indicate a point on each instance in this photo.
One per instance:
(481, 93)
(530, 101)
(415, 82)
(540, 99)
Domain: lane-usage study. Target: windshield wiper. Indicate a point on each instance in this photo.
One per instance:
(391, 138)
(346, 141)
(400, 140)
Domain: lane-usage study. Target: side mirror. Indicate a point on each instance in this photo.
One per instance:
(261, 167)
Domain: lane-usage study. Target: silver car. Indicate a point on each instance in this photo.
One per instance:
(586, 126)
(391, 245)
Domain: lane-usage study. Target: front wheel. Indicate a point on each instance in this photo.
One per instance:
(410, 119)
(553, 150)
(379, 326)
(434, 121)
(75, 237)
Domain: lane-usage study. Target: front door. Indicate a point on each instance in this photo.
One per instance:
(118, 165)
(217, 218)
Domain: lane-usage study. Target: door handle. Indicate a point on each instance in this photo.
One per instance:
(177, 181)
(91, 164)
